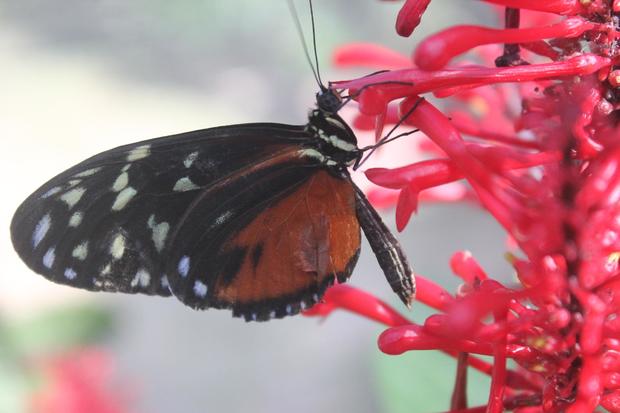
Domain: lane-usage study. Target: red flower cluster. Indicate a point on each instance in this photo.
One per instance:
(535, 140)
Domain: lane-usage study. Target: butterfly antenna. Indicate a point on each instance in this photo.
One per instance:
(293, 10)
(316, 57)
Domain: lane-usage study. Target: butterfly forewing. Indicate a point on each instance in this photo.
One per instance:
(105, 224)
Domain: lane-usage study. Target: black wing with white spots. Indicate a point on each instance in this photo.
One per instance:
(105, 224)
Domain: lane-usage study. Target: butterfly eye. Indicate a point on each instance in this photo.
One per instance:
(328, 101)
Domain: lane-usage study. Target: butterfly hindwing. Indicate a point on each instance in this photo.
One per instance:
(269, 249)
(105, 224)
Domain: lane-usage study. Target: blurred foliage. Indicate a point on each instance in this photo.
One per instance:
(422, 381)
(14, 386)
(56, 330)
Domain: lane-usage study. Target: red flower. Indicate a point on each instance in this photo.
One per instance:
(535, 137)
(78, 382)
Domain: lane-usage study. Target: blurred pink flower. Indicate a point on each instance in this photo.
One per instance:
(80, 381)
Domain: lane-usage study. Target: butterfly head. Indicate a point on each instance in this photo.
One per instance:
(328, 100)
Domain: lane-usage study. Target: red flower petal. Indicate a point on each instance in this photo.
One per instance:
(410, 15)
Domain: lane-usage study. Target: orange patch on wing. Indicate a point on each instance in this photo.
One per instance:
(296, 244)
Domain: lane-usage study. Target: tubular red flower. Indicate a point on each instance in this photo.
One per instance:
(468, 126)
(416, 81)
(397, 340)
(357, 301)
(369, 55)
(438, 128)
(498, 382)
(542, 48)
(465, 266)
(563, 7)
(432, 294)
(424, 174)
(427, 174)
(437, 50)
(410, 16)
(406, 206)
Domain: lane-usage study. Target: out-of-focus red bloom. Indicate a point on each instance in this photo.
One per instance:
(530, 132)
(78, 382)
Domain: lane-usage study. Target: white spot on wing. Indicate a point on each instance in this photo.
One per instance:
(73, 196)
(164, 282)
(88, 172)
(160, 232)
(139, 152)
(76, 219)
(121, 182)
(81, 251)
(183, 266)
(185, 184)
(126, 167)
(123, 198)
(51, 192)
(107, 269)
(312, 153)
(142, 278)
(200, 289)
(223, 218)
(41, 230)
(189, 160)
(117, 248)
(49, 257)
(70, 273)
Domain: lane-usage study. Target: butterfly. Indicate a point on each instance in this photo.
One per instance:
(259, 218)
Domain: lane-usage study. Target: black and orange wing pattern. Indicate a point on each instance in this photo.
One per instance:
(124, 219)
(267, 256)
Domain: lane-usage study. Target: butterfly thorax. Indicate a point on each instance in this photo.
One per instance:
(334, 139)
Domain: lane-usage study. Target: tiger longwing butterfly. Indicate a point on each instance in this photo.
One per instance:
(259, 218)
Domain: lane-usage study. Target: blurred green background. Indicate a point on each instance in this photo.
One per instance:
(79, 77)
